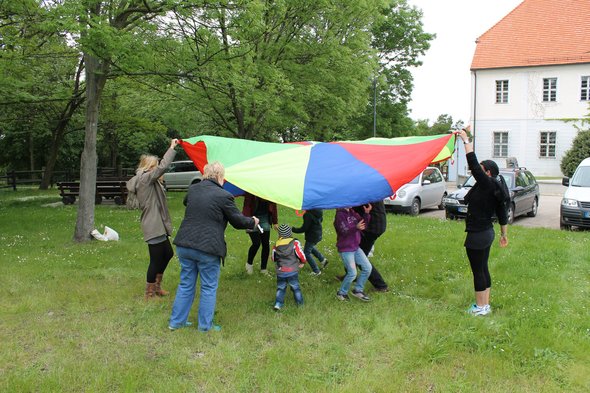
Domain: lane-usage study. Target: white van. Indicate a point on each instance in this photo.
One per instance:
(575, 205)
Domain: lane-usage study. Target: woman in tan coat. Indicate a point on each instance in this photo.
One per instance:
(155, 219)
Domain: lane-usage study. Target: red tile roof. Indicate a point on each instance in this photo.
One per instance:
(537, 32)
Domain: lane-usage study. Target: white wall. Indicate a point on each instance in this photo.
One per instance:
(525, 115)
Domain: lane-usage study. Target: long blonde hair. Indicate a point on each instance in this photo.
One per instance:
(147, 162)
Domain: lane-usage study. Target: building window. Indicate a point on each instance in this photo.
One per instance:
(585, 94)
(502, 92)
(549, 89)
(500, 144)
(547, 145)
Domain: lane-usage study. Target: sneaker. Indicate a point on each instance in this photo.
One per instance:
(480, 311)
(277, 307)
(383, 290)
(324, 263)
(316, 273)
(186, 324)
(249, 268)
(485, 310)
(471, 308)
(342, 296)
(361, 295)
(264, 272)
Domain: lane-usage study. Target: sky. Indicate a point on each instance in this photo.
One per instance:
(442, 84)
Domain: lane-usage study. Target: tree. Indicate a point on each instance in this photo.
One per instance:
(106, 29)
(399, 39)
(579, 151)
(256, 69)
(42, 88)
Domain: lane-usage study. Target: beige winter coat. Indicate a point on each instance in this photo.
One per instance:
(155, 219)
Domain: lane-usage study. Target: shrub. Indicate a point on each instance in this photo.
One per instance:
(580, 150)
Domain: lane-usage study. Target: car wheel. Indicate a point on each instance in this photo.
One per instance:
(415, 208)
(442, 203)
(511, 213)
(534, 209)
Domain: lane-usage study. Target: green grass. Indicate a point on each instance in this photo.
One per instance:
(72, 316)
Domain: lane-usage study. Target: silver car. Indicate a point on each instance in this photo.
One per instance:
(181, 174)
(426, 190)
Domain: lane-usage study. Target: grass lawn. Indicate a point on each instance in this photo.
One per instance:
(73, 319)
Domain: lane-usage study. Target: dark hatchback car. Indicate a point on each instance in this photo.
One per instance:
(524, 195)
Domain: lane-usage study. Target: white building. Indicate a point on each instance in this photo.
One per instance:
(531, 84)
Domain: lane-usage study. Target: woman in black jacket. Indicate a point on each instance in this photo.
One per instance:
(483, 200)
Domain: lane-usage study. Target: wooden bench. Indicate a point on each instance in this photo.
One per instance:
(105, 189)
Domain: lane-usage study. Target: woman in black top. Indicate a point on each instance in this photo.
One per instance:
(483, 201)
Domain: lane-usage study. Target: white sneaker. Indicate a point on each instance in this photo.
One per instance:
(265, 272)
(249, 268)
(481, 311)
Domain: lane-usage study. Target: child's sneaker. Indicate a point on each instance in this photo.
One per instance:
(277, 307)
(249, 268)
(316, 273)
(342, 296)
(361, 295)
(324, 263)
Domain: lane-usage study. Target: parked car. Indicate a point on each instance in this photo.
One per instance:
(426, 190)
(181, 174)
(524, 195)
(575, 205)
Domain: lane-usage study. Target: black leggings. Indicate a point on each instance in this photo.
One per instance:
(478, 259)
(160, 255)
(259, 239)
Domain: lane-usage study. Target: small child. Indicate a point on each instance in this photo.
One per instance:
(348, 225)
(312, 227)
(289, 258)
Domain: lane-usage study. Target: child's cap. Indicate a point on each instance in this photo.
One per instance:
(285, 231)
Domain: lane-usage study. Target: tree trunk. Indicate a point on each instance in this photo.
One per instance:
(96, 76)
(59, 130)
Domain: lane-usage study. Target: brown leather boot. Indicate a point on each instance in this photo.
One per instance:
(150, 290)
(159, 290)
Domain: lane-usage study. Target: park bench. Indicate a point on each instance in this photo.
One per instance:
(115, 189)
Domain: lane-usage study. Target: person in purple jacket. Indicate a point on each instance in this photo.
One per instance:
(349, 225)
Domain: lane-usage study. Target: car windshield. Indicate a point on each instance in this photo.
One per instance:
(414, 180)
(469, 182)
(508, 177)
(581, 177)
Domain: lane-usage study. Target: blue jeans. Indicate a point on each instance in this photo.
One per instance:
(192, 264)
(309, 250)
(293, 282)
(350, 260)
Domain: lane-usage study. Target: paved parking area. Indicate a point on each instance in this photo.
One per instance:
(547, 215)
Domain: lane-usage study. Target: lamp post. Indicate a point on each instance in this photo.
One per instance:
(374, 107)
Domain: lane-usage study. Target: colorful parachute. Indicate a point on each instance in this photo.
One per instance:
(314, 175)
